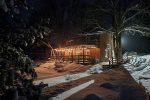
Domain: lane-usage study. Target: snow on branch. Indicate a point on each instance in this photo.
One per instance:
(137, 29)
(141, 28)
(96, 33)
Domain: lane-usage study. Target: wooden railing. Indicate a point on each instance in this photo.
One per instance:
(113, 62)
(81, 59)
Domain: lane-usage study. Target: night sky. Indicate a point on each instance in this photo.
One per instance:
(66, 16)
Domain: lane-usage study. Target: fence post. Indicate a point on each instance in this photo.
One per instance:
(112, 60)
(78, 59)
(83, 58)
(72, 58)
(109, 63)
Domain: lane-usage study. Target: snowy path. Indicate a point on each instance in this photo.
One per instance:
(61, 79)
(65, 78)
(72, 91)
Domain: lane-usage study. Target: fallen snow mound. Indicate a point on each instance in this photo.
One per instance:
(95, 69)
(139, 67)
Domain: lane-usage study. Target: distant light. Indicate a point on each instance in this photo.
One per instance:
(123, 40)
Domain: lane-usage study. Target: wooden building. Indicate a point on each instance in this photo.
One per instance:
(78, 53)
(104, 42)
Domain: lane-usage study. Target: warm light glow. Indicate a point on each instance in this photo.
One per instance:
(75, 50)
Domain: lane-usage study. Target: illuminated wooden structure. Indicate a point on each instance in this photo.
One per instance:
(79, 53)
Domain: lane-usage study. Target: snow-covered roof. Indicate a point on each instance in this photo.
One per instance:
(77, 46)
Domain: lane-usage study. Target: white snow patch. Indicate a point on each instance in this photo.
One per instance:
(95, 69)
(72, 91)
(139, 67)
(61, 79)
(104, 63)
(65, 78)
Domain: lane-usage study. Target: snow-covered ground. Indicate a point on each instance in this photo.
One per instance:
(61, 79)
(65, 78)
(95, 69)
(139, 67)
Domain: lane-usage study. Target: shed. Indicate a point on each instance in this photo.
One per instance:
(78, 53)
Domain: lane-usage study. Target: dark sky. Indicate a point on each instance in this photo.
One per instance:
(67, 15)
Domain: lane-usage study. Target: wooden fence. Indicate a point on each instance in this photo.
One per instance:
(81, 59)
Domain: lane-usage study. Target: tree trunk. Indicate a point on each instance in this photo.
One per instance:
(118, 49)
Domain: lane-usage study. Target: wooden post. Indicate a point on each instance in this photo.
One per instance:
(83, 56)
(78, 58)
(109, 63)
(72, 55)
(89, 57)
(112, 60)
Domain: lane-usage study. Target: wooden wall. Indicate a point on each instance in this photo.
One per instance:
(95, 52)
(105, 38)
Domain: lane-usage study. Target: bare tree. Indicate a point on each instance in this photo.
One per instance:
(118, 17)
(46, 43)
